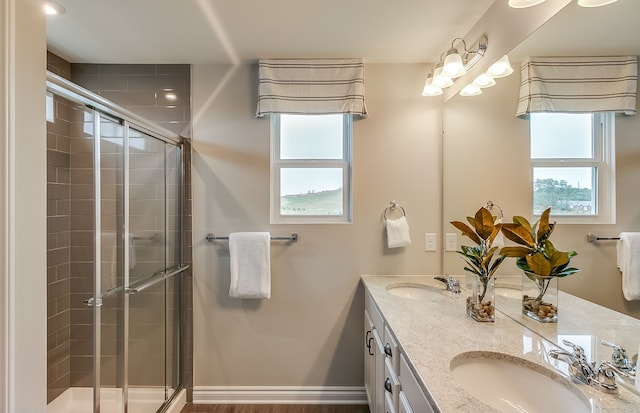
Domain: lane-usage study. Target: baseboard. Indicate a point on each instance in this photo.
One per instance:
(278, 395)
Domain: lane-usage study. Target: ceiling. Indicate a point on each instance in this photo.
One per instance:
(242, 31)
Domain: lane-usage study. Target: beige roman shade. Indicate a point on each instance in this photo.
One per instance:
(578, 84)
(317, 86)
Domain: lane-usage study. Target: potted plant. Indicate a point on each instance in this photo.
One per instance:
(541, 262)
(482, 262)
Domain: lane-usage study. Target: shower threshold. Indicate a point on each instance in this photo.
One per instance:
(141, 400)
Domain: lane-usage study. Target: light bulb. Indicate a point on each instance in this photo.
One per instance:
(51, 7)
(501, 68)
(470, 90)
(453, 66)
(440, 79)
(595, 3)
(484, 80)
(521, 4)
(430, 89)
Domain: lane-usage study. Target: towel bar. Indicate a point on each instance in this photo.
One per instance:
(591, 238)
(291, 238)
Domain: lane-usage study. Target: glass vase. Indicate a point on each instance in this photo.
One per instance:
(540, 297)
(481, 299)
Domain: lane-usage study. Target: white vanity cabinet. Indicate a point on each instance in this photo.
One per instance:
(390, 385)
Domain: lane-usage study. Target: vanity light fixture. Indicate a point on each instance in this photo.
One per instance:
(470, 90)
(429, 88)
(455, 64)
(501, 68)
(51, 8)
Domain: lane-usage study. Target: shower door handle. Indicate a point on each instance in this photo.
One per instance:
(92, 302)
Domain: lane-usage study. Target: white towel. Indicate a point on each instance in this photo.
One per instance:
(398, 233)
(109, 261)
(630, 265)
(132, 252)
(250, 256)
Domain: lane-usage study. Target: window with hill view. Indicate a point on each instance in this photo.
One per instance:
(572, 165)
(311, 168)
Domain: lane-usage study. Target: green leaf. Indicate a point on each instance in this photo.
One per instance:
(467, 231)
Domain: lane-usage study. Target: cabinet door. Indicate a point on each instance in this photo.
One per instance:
(379, 375)
(369, 359)
(414, 394)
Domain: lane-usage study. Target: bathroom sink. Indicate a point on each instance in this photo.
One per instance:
(414, 291)
(513, 384)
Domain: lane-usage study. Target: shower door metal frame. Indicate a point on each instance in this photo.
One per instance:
(99, 107)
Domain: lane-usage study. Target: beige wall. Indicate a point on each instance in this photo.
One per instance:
(23, 208)
(487, 158)
(309, 332)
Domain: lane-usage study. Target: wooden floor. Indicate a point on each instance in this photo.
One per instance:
(276, 408)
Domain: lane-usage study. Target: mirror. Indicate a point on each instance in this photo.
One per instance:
(486, 158)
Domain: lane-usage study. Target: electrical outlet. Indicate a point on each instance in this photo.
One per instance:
(430, 241)
(451, 242)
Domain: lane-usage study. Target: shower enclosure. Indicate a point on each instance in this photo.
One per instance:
(116, 202)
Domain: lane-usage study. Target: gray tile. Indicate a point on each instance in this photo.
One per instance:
(132, 98)
(156, 83)
(101, 83)
(84, 69)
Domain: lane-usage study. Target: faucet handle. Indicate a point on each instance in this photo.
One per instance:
(619, 356)
(606, 377)
(578, 351)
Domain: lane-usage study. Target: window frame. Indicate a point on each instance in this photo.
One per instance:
(603, 160)
(277, 164)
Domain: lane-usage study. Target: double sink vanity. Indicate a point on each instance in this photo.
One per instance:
(423, 353)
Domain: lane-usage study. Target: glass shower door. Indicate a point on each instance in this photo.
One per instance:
(147, 263)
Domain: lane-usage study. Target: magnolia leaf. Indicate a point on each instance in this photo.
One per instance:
(515, 251)
(518, 234)
(466, 230)
(496, 264)
(539, 264)
(567, 271)
(484, 223)
(522, 221)
(544, 229)
(559, 258)
(496, 230)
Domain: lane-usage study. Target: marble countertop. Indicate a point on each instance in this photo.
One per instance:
(432, 332)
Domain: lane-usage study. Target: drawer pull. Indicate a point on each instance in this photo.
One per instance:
(387, 350)
(387, 385)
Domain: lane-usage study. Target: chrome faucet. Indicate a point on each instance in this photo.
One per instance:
(452, 284)
(585, 371)
(620, 363)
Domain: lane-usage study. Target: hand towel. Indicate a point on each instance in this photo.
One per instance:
(132, 251)
(630, 265)
(398, 233)
(109, 261)
(249, 254)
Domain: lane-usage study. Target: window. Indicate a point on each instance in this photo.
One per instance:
(310, 168)
(573, 166)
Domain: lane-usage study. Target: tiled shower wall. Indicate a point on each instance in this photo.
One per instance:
(159, 93)
(58, 239)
